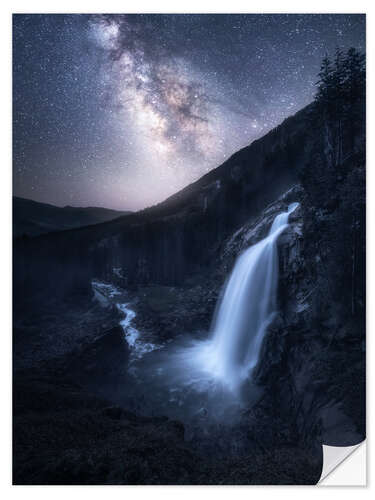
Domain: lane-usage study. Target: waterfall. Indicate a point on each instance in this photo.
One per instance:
(210, 372)
(246, 309)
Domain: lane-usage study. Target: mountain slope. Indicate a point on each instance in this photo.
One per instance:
(33, 218)
(180, 236)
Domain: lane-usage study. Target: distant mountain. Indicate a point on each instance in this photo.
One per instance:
(32, 218)
(178, 237)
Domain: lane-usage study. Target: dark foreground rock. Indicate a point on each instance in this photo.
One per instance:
(67, 436)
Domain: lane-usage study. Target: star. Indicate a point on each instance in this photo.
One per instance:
(114, 109)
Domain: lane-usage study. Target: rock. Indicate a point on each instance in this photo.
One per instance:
(101, 362)
(202, 413)
(114, 412)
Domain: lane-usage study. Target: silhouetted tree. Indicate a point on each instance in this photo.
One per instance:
(334, 175)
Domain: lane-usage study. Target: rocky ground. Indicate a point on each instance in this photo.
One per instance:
(58, 327)
(64, 434)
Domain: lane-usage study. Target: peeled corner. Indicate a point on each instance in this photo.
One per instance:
(344, 465)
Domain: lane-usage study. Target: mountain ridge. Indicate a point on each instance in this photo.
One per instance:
(33, 218)
(293, 124)
(169, 241)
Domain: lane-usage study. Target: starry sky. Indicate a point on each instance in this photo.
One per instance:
(124, 110)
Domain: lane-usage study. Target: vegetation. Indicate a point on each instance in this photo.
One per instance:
(334, 178)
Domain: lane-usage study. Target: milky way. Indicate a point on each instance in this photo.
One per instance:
(124, 110)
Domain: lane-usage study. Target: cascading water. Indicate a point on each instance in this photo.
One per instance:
(245, 310)
(190, 376)
(189, 379)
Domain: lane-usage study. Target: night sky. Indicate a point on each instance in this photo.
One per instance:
(122, 111)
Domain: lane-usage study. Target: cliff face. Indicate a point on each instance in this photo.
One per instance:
(313, 357)
(312, 362)
(167, 243)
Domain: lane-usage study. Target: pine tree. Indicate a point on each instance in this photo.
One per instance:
(355, 88)
(324, 83)
(338, 104)
(334, 178)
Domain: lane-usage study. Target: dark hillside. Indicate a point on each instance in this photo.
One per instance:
(32, 218)
(169, 241)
